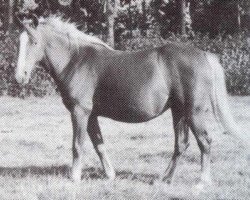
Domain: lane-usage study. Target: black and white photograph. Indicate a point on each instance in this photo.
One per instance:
(124, 99)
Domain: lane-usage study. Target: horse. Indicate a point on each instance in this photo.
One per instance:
(133, 87)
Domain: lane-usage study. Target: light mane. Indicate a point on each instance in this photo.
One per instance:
(69, 29)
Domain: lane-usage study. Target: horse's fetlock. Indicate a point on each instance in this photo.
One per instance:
(206, 148)
(75, 153)
(177, 153)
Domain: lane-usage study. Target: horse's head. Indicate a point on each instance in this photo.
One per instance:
(31, 50)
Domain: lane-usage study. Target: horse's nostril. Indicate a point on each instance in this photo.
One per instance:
(25, 73)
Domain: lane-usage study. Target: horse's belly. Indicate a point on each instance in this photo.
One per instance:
(134, 108)
(136, 98)
(129, 115)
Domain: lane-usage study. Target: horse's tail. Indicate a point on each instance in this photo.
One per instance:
(219, 97)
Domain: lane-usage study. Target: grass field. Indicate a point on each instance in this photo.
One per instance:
(35, 151)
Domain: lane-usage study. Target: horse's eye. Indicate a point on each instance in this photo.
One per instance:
(33, 41)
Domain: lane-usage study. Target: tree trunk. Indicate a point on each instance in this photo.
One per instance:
(182, 6)
(144, 19)
(111, 11)
(130, 20)
(238, 16)
(10, 18)
(110, 30)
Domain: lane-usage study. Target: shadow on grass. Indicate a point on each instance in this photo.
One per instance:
(22, 172)
(64, 171)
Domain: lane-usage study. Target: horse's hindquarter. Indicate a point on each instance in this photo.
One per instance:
(189, 72)
(132, 87)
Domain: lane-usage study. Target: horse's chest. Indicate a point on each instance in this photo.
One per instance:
(79, 89)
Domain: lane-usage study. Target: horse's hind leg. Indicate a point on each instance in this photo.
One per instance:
(181, 142)
(200, 130)
(97, 140)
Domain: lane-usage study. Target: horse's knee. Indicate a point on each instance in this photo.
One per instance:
(204, 141)
(76, 152)
(205, 145)
(182, 147)
(183, 136)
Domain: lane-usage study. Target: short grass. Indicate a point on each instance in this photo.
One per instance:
(35, 150)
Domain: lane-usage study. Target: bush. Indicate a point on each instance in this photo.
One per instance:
(234, 55)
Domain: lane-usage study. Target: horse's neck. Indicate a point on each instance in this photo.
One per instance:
(57, 53)
(64, 55)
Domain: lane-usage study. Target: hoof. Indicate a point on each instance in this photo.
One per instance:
(75, 179)
(111, 175)
(206, 180)
(167, 180)
(75, 176)
(201, 187)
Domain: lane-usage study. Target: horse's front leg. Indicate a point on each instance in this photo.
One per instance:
(79, 119)
(97, 140)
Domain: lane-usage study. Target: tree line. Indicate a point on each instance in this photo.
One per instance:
(119, 18)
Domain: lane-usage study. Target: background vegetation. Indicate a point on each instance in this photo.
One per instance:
(221, 27)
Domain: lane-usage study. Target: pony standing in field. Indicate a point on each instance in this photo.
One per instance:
(96, 80)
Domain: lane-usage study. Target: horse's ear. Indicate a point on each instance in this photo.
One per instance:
(19, 17)
(35, 20)
(29, 22)
(28, 19)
